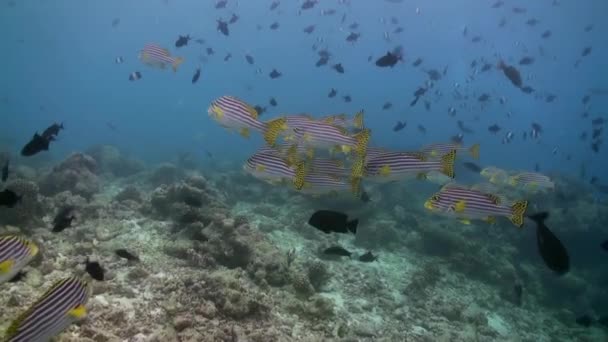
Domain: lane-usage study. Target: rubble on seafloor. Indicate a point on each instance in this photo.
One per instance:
(218, 269)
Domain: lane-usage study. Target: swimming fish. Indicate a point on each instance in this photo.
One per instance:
(337, 250)
(196, 75)
(511, 73)
(155, 56)
(233, 113)
(134, 76)
(123, 253)
(37, 144)
(63, 304)
(63, 219)
(550, 247)
(182, 41)
(329, 221)
(368, 257)
(9, 198)
(15, 253)
(391, 166)
(388, 60)
(94, 269)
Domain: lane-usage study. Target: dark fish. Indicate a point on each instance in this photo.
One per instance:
(9, 199)
(339, 68)
(550, 98)
(494, 128)
(546, 34)
(249, 59)
(368, 257)
(519, 10)
(329, 221)
(52, 131)
(604, 244)
(115, 22)
(347, 98)
(275, 74)
(209, 51)
(273, 102)
(353, 37)
(332, 93)
(337, 250)
(526, 60)
(387, 106)
(308, 4)
(417, 62)
(486, 67)
(227, 57)
(5, 171)
(585, 99)
(274, 5)
(95, 270)
(123, 253)
(472, 167)
(550, 247)
(309, 29)
(399, 126)
(18, 277)
(36, 145)
(63, 219)
(458, 138)
(259, 109)
(322, 61)
(398, 30)
(222, 26)
(388, 60)
(512, 73)
(498, 4)
(483, 97)
(274, 26)
(532, 22)
(476, 39)
(463, 128)
(518, 291)
(365, 197)
(527, 89)
(588, 28)
(134, 76)
(502, 22)
(182, 41)
(196, 75)
(233, 19)
(427, 105)
(221, 4)
(434, 74)
(586, 51)
(597, 121)
(584, 320)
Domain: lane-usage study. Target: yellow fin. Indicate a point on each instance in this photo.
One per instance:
(218, 111)
(6, 266)
(385, 171)
(273, 129)
(362, 139)
(518, 211)
(460, 206)
(244, 132)
(513, 181)
(298, 180)
(465, 221)
(253, 112)
(358, 120)
(345, 149)
(33, 248)
(491, 219)
(178, 61)
(429, 204)
(260, 168)
(474, 151)
(447, 163)
(78, 312)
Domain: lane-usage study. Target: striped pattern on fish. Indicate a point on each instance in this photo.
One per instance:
(461, 202)
(392, 166)
(156, 56)
(328, 167)
(319, 184)
(62, 305)
(269, 166)
(342, 120)
(15, 253)
(322, 135)
(440, 149)
(532, 180)
(231, 112)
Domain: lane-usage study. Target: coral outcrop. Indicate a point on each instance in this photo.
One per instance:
(111, 161)
(76, 174)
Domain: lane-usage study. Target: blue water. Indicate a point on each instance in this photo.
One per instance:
(58, 65)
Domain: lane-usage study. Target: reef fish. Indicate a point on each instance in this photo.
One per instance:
(323, 135)
(155, 56)
(532, 181)
(95, 270)
(233, 113)
(63, 304)
(15, 253)
(37, 144)
(441, 149)
(549, 246)
(9, 198)
(337, 250)
(272, 168)
(63, 219)
(123, 253)
(329, 221)
(391, 166)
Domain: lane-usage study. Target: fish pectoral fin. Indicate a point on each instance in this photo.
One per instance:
(6, 266)
(244, 132)
(465, 221)
(78, 312)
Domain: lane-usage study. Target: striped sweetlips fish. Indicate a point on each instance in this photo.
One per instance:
(233, 113)
(321, 184)
(158, 57)
(392, 166)
(15, 253)
(468, 204)
(270, 167)
(532, 181)
(342, 120)
(440, 149)
(63, 304)
(322, 135)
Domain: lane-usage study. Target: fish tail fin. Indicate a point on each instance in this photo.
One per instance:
(298, 179)
(362, 139)
(358, 120)
(178, 61)
(447, 163)
(273, 129)
(518, 211)
(474, 151)
(358, 168)
(352, 226)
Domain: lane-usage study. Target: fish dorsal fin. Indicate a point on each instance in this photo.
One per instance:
(254, 113)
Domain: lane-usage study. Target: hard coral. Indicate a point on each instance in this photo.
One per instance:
(110, 160)
(75, 174)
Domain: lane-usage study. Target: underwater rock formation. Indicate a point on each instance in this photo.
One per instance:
(76, 174)
(164, 174)
(111, 161)
(29, 210)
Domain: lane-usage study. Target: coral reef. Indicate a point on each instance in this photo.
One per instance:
(111, 161)
(29, 211)
(76, 174)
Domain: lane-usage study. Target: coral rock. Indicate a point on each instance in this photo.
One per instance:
(75, 174)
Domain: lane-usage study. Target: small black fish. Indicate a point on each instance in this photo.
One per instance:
(368, 257)
(274, 5)
(550, 98)
(365, 197)
(233, 19)
(339, 68)
(399, 126)
(259, 109)
(417, 62)
(472, 166)
(586, 51)
(526, 61)
(209, 51)
(585, 99)
(63, 219)
(329, 221)
(227, 57)
(249, 59)
(221, 4)
(584, 320)
(273, 102)
(532, 22)
(18, 277)
(95, 270)
(527, 89)
(275, 74)
(604, 244)
(588, 28)
(200, 41)
(52, 131)
(498, 4)
(550, 247)
(347, 98)
(196, 75)
(519, 10)
(9, 199)
(388, 60)
(546, 34)
(115, 22)
(494, 128)
(308, 4)
(337, 250)
(36, 145)
(135, 76)
(483, 97)
(387, 106)
(274, 26)
(332, 93)
(309, 29)
(182, 41)
(353, 37)
(222, 26)
(322, 61)
(123, 253)
(512, 74)
(476, 39)
(5, 171)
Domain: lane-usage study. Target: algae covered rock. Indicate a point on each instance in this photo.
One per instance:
(111, 161)
(76, 174)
